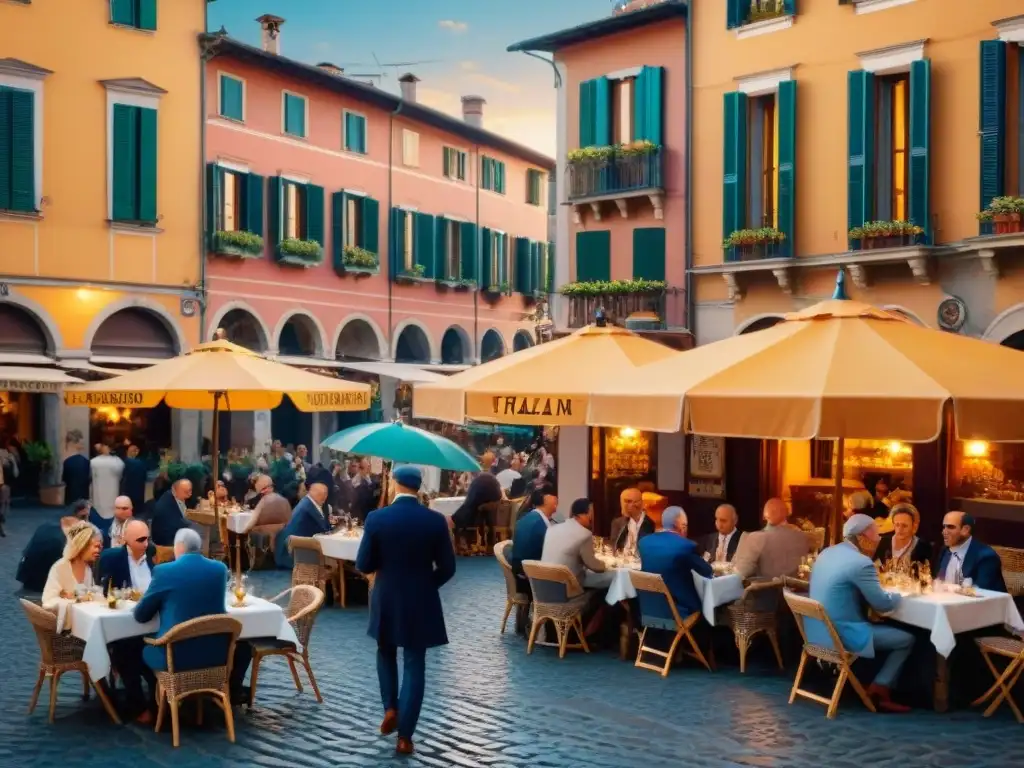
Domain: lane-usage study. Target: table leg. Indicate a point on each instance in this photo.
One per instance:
(940, 693)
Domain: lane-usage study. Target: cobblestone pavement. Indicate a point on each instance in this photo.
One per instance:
(488, 704)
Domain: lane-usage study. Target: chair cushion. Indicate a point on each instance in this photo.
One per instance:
(271, 644)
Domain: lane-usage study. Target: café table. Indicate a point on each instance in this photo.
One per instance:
(238, 522)
(99, 626)
(340, 546)
(447, 505)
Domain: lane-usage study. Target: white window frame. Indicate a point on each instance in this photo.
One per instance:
(130, 98)
(893, 59)
(764, 83)
(466, 163)
(542, 192)
(16, 77)
(872, 6)
(221, 74)
(408, 240)
(305, 120)
(344, 131)
(407, 137)
(1011, 30)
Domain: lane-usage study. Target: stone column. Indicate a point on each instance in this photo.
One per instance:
(53, 434)
(261, 432)
(185, 438)
(74, 417)
(572, 465)
(388, 386)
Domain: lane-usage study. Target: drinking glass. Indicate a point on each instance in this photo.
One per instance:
(240, 588)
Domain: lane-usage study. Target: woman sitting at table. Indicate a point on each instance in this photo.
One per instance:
(74, 569)
(903, 546)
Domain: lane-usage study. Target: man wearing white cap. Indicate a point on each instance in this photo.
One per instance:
(842, 577)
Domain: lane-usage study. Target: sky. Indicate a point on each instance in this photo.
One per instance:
(458, 46)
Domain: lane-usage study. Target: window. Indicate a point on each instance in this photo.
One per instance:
(453, 245)
(232, 98)
(355, 132)
(294, 210)
(1002, 120)
(492, 174)
(534, 187)
(454, 164)
(593, 256)
(764, 166)
(621, 108)
(293, 117)
(408, 242)
(19, 153)
(134, 164)
(649, 253)
(140, 14)
(892, 141)
(742, 12)
(410, 148)
(356, 224)
(234, 200)
(353, 221)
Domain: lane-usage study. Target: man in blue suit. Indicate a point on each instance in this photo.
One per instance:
(674, 557)
(133, 481)
(965, 557)
(76, 473)
(190, 587)
(409, 550)
(842, 578)
(169, 513)
(309, 518)
(528, 538)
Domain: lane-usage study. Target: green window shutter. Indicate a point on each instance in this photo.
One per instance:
(396, 241)
(294, 115)
(441, 248)
(485, 172)
(735, 13)
(446, 155)
(734, 192)
(602, 111)
(992, 119)
(920, 144)
(125, 163)
(147, 164)
(147, 14)
(371, 225)
(787, 165)
(789, 7)
(231, 99)
(588, 116)
(549, 272)
(521, 268)
(647, 105)
(21, 181)
(593, 256)
(486, 247)
(649, 253)
(275, 210)
(460, 165)
(214, 203)
(423, 250)
(6, 150)
(338, 200)
(315, 213)
(861, 149)
(467, 252)
(254, 204)
(537, 267)
(500, 186)
(122, 12)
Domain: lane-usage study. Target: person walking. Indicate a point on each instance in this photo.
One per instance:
(407, 548)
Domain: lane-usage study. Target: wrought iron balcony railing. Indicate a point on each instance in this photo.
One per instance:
(615, 175)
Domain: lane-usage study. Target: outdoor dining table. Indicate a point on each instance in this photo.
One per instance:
(99, 626)
(340, 546)
(238, 522)
(447, 505)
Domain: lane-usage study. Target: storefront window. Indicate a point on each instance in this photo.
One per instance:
(993, 471)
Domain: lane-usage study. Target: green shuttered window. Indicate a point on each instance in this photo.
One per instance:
(647, 105)
(454, 161)
(17, 151)
(295, 211)
(992, 121)
(467, 250)
(593, 256)
(294, 115)
(134, 164)
(534, 185)
(738, 12)
(355, 132)
(355, 222)
(140, 14)
(423, 250)
(522, 276)
(234, 201)
(786, 204)
(595, 112)
(860, 147)
(920, 144)
(232, 98)
(492, 174)
(649, 253)
(734, 166)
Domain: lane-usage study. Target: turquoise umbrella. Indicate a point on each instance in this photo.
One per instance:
(402, 444)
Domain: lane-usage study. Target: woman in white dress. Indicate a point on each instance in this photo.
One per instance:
(74, 569)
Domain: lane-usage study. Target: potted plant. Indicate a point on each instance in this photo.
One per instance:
(1006, 212)
(300, 253)
(886, 234)
(241, 244)
(591, 155)
(359, 261)
(760, 10)
(413, 274)
(38, 463)
(762, 242)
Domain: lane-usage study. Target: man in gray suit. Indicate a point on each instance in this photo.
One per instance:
(572, 544)
(774, 551)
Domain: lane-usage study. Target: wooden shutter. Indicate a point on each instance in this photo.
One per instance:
(735, 13)
(861, 147)
(920, 141)
(441, 248)
(21, 149)
(294, 115)
(649, 253)
(500, 187)
(992, 121)
(275, 210)
(396, 242)
(734, 182)
(602, 111)
(486, 172)
(789, 7)
(593, 256)
(6, 150)
(521, 270)
(786, 204)
(487, 279)
(214, 201)
(338, 210)
(537, 267)
(125, 163)
(467, 254)
(315, 213)
(147, 14)
(253, 221)
(371, 226)
(122, 12)
(446, 155)
(587, 114)
(549, 271)
(647, 105)
(423, 252)
(147, 165)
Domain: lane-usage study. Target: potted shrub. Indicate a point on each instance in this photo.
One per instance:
(886, 234)
(1006, 213)
(359, 260)
(300, 253)
(761, 242)
(243, 245)
(35, 472)
(413, 274)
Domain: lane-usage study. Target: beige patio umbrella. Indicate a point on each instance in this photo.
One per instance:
(546, 385)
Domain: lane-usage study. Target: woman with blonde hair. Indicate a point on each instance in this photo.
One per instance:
(903, 546)
(74, 569)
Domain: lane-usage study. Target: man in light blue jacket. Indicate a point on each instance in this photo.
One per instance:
(842, 579)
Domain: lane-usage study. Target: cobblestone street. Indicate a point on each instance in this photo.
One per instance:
(488, 704)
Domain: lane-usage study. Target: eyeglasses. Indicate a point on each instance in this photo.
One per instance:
(950, 526)
(142, 539)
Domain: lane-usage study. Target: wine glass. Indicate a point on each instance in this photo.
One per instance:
(240, 587)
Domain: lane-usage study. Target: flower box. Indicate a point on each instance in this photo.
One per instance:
(356, 261)
(237, 244)
(877, 235)
(750, 244)
(415, 274)
(1005, 213)
(300, 253)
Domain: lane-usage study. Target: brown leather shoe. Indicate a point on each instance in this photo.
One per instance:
(404, 746)
(390, 722)
(883, 700)
(146, 718)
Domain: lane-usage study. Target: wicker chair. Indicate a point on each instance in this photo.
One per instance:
(558, 598)
(311, 567)
(799, 586)
(173, 687)
(59, 653)
(304, 604)
(756, 612)
(163, 555)
(513, 597)
(654, 583)
(1013, 569)
(504, 519)
(1012, 649)
(805, 608)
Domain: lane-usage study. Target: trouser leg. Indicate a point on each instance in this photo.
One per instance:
(414, 661)
(387, 675)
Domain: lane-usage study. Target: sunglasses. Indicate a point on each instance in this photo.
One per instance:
(142, 540)
(122, 506)
(951, 526)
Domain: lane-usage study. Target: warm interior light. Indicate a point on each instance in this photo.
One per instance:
(82, 294)
(627, 432)
(976, 449)
(895, 447)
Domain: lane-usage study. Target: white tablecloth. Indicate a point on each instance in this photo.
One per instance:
(238, 522)
(339, 546)
(713, 592)
(98, 626)
(947, 614)
(447, 505)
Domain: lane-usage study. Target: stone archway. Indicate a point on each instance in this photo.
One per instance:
(358, 341)
(299, 336)
(21, 332)
(244, 328)
(492, 346)
(455, 347)
(759, 323)
(134, 332)
(412, 345)
(522, 340)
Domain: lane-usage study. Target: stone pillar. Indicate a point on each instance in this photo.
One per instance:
(185, 437)
(53, 434)
(261, 437)
(74, 417)
(324, 425)
(572, 466)
(388, 387)
(671, 462)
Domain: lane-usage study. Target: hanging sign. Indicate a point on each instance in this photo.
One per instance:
(707, 467)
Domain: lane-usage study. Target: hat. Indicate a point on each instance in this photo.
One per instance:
(408, 477)
(857, 524)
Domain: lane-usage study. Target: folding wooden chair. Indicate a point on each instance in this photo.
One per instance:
(806, 608)
(652, 582)
(1013, 649)
(513, 597)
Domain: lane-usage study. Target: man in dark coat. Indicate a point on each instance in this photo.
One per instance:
(133, 481)
(169, 513)
(408, 549)
(77, 477)
(46, 547)
(310, 517)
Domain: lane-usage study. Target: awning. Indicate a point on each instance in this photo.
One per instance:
(118, 360)
(16, 378)
(401, 371)
(82, 365)
(305, 362)
(24, 358)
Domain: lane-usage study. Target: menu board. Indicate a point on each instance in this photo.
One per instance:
(707, 467)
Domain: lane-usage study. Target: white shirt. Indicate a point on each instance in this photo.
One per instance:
(545, 518)
(955, 564)
(723, 545)
(634, 529)
(506, 477)
(141, 575)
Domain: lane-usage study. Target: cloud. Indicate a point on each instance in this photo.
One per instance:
(468, 66)
(494, 82)
(444, 101)
(458, 27)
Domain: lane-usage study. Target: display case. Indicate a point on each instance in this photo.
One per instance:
(619, 458)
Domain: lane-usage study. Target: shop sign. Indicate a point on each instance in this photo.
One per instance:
(707, 467)
(511, 405)
(102, 399)
(41, 387)
(336, 401)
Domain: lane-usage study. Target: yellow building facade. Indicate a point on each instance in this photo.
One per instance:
(100, 194)
(812, 119)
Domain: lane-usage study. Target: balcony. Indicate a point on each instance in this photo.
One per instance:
(619, 299)
(601, 174)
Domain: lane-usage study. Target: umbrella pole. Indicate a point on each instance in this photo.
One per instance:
(837, 494)
(384, 478)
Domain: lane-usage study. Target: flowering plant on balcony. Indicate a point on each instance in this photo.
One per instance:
(591, 154)
(245, 245)
(1006, 208)
(765, 9)
(303, 253)
(499, 288)
(611, 287)
(359, 258)
(748, 238)
(414, 272)
(886, 229)
(634, 148)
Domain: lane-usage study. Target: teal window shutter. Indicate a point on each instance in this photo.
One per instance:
(254, 204)
(602, 112)
(460, 166)
(861, 147)
(549, 272)
(486, 262)
(123, 12)
(735, 13)
(6, 149)
(315, 213)
(786, 204)
(593, 256)
(446, 155)
(17, 150)
(214, 201)
(125, 163)
(485, 172)
(147, 165)
(992, 121)
(499, 186)
(275, 209)
(441, 248)
(649, 253)
(231, 98)
(537, 267)
(647, 105)
(423, 250)
(147, 14)
(396, 242)
(521, 273)
(295, 115)
(467, 252)
(734, 202)
(371, 226)
(588, 115)
(338, 200)
(789, 7)
(920, 141)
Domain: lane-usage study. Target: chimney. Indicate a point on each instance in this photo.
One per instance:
(408, 82)
(271, 26)
(473, 110)
(332, 69)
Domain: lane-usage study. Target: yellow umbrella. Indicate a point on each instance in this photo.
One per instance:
(547, 385)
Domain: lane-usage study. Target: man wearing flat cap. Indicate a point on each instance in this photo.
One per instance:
(842, 578)
(406, 546)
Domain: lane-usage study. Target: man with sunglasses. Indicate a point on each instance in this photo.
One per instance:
(965, 557)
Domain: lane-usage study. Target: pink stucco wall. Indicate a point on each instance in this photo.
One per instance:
(273, 292)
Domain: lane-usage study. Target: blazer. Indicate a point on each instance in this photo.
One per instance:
(167, 520)
(841, 580)
(772, 552)
(184, 589)
(921, 553)
(982, 565)
(133, 483)
(528, 540)
(306, 521)
(114, 568)
(484, 489)
(44, 549)
(675, 559)
(270, 509)
(708, 544)
(620, 530)
(408, 548)
(572, 545)
(77, 477)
